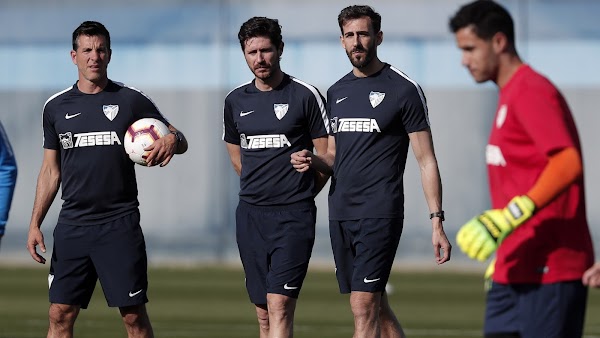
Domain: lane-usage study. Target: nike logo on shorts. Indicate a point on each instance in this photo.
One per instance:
(367, 281)
(289, 287)
(244, 113)
(67, 116)
(132, 294)
(340, 100)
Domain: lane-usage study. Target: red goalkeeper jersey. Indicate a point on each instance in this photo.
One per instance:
(533, 121)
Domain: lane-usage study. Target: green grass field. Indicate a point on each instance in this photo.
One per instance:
(212, 302)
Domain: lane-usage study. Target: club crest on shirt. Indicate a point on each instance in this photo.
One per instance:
(110, 111)
(243, 141)
(375, 98)
(280, 109)
(501, 116)
(66, 140)
(334, 124)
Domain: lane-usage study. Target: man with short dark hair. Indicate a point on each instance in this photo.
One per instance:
(98, 234)
(264, 121)
(375, 111)
(538, 226)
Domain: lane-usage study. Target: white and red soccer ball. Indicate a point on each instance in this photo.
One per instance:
(140, 135)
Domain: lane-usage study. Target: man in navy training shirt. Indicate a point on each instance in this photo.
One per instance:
(98, 233)
(265, 120)
(375, 111)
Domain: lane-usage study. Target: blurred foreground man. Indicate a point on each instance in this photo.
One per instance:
(538, 225)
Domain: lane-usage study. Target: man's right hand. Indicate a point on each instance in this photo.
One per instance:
(480, 236)
(34, 239)
(301, 160)
(592, 276)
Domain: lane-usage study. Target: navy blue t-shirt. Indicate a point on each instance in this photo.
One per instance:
(98, 178)
(370, 119)
(269, 126)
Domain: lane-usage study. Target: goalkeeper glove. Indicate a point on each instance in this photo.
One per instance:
(480, 236)
(487, 276)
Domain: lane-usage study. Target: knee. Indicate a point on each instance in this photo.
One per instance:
(365, 307)
(363, 311)
(62, 314)
(132, 319)
(263, 321)
(262, 314)
(280, 306)
(134, 316)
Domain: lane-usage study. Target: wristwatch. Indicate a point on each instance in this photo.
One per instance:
(178, 136)
(439, 214)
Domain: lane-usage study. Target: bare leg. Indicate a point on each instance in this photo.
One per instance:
(62, 320)
(390, 326)
(136, 321)
(262, 313)
(281, 315)
(365, 308)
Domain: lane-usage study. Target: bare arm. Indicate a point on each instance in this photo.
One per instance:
(422, 145)
(320, 177)
(305, 159)
(47, 186)
(235, 156)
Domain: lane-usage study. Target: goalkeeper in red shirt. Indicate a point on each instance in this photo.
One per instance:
(537, 227)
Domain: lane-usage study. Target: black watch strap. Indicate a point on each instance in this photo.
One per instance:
(178, 135)
(439, 214)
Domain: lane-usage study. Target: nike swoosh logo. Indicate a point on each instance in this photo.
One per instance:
(289, 287)
(67, 116)
(244, 113)
(340, 100)
(367, 281)
(131, 294)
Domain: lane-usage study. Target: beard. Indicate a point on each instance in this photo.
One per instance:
(265, 71)
(365, 59)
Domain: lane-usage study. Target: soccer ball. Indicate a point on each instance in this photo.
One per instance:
(140, 135)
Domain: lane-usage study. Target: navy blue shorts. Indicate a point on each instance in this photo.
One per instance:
(536, 310)
(364, 252)
(275, 245)
(114, 253)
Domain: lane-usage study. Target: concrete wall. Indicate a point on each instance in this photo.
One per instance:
(185, 55)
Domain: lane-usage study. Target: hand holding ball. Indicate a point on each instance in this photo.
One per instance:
(141, 134)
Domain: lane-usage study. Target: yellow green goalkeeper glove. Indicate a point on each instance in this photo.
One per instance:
(480, 236)
(489, 273)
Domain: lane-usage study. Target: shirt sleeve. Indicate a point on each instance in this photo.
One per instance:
(332, 123)
(49, 138)
(144, 107)
(317, 115)
(230, 132)
(414, 105)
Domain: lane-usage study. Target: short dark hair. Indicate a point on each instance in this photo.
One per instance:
(487, 18)
(261, 26)
(357, 12)
(90, 28)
